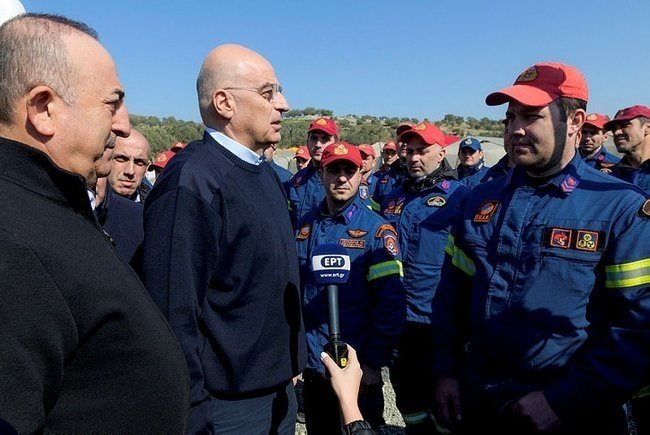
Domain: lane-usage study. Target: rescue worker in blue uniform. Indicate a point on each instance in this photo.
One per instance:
(592, 143)
(371, 303)
(542, 319)
(471, 165)
(368, 180)
(393, 171)
(631, 129)
(422, 209)
(305, 188)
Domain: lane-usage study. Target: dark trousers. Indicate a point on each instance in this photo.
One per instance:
(413, 380)
(273, 413)
(322, 412)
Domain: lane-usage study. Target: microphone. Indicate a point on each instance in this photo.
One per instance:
(331, 266)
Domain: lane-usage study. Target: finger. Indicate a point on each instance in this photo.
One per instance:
(328, 362)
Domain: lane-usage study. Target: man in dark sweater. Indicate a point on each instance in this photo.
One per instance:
(83, 347)
(219, 255)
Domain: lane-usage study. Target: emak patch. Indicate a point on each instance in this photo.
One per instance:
(357, 234)
(304, 232)
(384, 228)
(352, 243)
(436, 201)
(486, 211)
(390, 243)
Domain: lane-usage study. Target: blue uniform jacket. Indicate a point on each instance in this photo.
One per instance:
(500, 169)
(283, 174)
(547, 289)
(387, 180)
(472, 176)
(422, 219)
(602, 156)
(638, 176)
(306, 192)
(371, 302)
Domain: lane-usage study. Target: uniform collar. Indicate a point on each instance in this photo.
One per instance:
(625, 164)
(347, 213)
(565, 181)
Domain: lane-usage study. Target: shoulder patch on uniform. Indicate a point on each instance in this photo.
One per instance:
(363, 192)
(569, 184)
(382, 229)
(645, 208)
(436, 201)
(357, 234)
(304, 232)
(352, 243)
(390, 242)
(486, 211)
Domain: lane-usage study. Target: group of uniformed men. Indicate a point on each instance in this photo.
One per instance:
(532, 281)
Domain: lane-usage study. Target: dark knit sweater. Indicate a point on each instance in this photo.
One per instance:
(83, 348)
(220, 261)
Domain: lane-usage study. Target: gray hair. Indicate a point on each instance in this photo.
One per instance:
(32, 54)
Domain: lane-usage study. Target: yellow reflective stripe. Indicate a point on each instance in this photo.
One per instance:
(643, 392)
(459, 258)
(390, 267)
(628, 274)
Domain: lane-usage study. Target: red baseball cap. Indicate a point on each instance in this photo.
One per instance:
(341, 151)
(627, 114)
(324, 124)
(302, 153)
(368, 150)
(429, 133)
(162, 159)
(541, 84)
(389, 146)
(405, 126)
(597, 120)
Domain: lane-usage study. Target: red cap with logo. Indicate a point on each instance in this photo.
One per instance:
(162, 159)
(429, 133)
(405, 126)
(341, 151)
(178, 146)
(627, 114)
(367, 150)
(597, 120)
(324, 124)
(302, 153)
(541, 84)
(390, 146)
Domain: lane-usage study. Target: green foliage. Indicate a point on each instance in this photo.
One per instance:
(163, 133)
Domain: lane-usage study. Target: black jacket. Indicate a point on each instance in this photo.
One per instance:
(82, 346)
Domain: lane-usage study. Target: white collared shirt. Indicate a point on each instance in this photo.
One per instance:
(246, 154)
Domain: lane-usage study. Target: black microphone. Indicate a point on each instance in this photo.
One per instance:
(331, 266)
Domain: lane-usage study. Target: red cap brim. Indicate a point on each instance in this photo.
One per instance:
(523, 94)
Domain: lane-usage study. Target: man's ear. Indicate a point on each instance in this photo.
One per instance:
(443, 153)
(576, 120)
(42, 106)
(224, 104)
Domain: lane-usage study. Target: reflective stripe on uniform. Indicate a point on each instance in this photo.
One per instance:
(628, 274)
(459, 258)
(391, 267)
(643, 392)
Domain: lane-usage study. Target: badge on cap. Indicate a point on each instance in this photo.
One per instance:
(420, 127)
(486, 211)
(304, 232)
(340, 150)
(569, 184)
(592, 117)
(468, 141)
(527, 76)
(436, 201)
(321, 121)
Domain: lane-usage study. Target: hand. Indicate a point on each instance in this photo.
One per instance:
(534, 408)
(345, 383)
(447, 402)
(371, 376)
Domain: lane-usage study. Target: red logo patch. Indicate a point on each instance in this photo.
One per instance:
(486, 211)
(560, 238)
(304, 232)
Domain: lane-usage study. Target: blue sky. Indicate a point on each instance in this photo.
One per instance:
(410, 58)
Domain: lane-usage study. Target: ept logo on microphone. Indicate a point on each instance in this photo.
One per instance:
(331, 264)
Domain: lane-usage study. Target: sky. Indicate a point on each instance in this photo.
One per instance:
(415, 59)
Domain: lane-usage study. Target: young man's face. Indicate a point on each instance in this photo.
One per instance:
(536, 136)
(592, 139)
(317, 141)
(341, 180)
(629, 134)
(468, 156)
